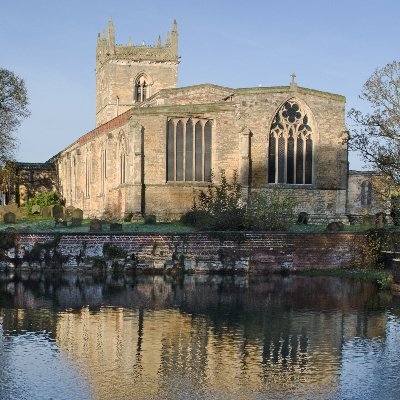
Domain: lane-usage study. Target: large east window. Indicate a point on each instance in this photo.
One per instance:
(291, 147)
(189, 144)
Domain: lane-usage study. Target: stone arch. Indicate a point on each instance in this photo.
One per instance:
(142, 87)
(292, 144)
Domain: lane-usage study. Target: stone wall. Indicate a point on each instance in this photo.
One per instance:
(204, 252)
(379, 197)
(240, 134)
(34, 178)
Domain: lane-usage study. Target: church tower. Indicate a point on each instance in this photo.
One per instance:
(129, 74)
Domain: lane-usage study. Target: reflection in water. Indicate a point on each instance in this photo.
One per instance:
(104, 337)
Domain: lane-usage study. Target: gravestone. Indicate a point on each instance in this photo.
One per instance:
(68, 211)
(150, 219)
(302, 219)
(77, 217)
(115, 227)
(47, 212)
(335, 226)
(58, 212)
(95, 225)
(35, 209)
(9, 218)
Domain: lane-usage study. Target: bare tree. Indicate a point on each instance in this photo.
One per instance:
(13, 108)
(376, 135)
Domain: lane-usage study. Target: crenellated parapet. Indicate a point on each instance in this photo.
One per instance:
(107, 50)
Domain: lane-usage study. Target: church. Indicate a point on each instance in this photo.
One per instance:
(155, 145)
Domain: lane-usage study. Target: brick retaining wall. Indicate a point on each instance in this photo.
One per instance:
(205, 252)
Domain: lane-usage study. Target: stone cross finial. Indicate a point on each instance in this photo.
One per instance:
(293, 83)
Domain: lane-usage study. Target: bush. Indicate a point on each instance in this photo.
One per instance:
(273, 210)
(369, 250)
(196, 218)
(43, 200)
(111, 252)
(221, 205)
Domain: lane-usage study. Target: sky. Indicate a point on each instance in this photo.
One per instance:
(332, 46)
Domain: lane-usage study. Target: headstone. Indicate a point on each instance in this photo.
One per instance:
(58, 212)
(95, 225)
(77, 217)
(35, 209)
(47, 212)
(150, 219)
(352, 219)
(302, 219)
(335, 226)
(380, 220)
(68, 211)
(115, 227)
(9, 218)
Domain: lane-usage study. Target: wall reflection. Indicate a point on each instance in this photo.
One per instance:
(202, 335)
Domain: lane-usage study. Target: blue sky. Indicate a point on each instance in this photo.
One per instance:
(332, 46)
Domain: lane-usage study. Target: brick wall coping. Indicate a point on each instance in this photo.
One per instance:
(212, 234)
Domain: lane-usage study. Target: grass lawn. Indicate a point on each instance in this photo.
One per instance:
(39, 224)
(36, 223)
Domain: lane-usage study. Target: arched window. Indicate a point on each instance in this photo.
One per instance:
(366, 193)
(103, 169)
(141, 89)
(189, 150)
(87, 175)
(123, 159)
(290, 152)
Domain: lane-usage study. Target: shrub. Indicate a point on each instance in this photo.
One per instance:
(272, 210)
(110, 251)
(221, 206)
(196, 218)
(43, 200)
(369, 251)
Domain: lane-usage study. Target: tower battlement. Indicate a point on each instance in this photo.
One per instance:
(107, 50)
(129, 74)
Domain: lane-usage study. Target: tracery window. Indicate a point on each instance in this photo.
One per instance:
(189, 145)
(141, 89)
(290, 153)
(366, 193)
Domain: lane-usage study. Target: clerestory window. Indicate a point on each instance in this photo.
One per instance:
(290, 153)
(189, 145)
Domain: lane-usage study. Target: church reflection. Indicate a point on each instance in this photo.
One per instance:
(205, 333)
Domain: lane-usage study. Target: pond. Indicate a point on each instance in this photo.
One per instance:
(76, 336)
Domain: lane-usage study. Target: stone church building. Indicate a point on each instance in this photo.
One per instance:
(156, 145)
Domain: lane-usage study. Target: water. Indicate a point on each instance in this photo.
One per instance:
(70, 336)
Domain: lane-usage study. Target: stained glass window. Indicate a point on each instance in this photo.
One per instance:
(292, 160)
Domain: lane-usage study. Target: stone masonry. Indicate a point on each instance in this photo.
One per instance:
(155, 144)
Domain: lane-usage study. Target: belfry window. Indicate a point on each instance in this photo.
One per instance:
(189, 145)
(141, 89)
(290, 152)
(366, 193)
